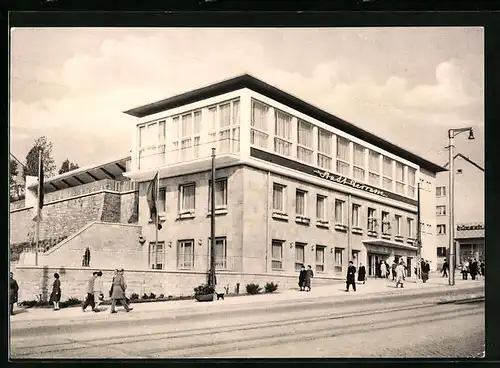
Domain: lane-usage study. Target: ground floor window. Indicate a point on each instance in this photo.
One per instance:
(441, 251)
(299, 255)
(320, 258)
(277, 255)
(156, 255)
(220, 251)
(338, 259)
(185, 254)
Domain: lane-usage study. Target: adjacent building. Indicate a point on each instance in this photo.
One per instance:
(468, 210)
(294, 185)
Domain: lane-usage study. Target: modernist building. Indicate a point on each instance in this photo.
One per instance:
(295, 185)
(468, 209)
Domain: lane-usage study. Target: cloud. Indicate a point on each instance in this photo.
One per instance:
(88, 122)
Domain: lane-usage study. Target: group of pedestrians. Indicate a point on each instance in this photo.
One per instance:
(305, 277)
(473, 268)
(117, 292)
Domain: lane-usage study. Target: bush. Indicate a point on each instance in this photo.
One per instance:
(203, 289)
(29, 303)
(70, 302)
(152, 296)
(134, 296)
(253, 289)
(271, 287)
(145, 296)
(161, 296)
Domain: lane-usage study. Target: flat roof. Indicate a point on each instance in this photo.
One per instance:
(112, 169)
(257, 85)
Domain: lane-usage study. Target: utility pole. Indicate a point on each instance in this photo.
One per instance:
(211, 277)
(419, 236)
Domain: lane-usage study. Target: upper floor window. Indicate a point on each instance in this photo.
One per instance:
(387, 179)
(441, 229)
(372, 219)
(279, 203)
(386, 224)
(187, 195)
(324, 149)
(441, 191)
(343, 156)
(410, 229)
(259, 124)
(356, 215)
(374, 168)
(411, 182)
(162, 197)
(220, 194)
(300, 202)
(398, 225)
(440, 210)
(321, 208)
(359, 162)
(282, 133)
(400, 178)
(339, 212)
(305, 142)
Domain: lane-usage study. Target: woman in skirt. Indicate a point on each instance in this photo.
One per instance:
(55, 296)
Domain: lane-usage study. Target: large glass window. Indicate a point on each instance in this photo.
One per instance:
(411, 182)
(324, 149)
(225, 129)
(374, 168)
(359, 162)
(400, 178)
(387, 179)
(151, 145)
(343, 156)
(282, 133)
(305, 141)
(259, 124)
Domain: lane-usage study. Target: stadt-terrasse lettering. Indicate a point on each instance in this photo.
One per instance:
(352, 183)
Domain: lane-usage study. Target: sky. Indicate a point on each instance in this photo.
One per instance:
(406, 85)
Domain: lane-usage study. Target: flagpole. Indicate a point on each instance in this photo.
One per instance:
(37, 224)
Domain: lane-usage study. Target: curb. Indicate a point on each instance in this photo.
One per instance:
(180, 315)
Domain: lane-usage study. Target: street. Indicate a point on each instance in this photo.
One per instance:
(385, 328)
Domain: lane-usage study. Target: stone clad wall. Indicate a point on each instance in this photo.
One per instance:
(37, 281)
(64, 217)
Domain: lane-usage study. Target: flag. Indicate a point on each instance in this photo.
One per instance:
(152, 196)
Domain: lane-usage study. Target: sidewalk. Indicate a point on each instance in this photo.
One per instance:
(325, 293)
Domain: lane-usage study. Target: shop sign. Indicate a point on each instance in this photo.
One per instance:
(470, 227)
(326, 175)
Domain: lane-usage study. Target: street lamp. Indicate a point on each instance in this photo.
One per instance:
(452, 133)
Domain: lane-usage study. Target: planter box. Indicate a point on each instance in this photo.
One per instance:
(204, 297)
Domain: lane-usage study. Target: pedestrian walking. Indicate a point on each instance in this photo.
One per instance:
(351, 274)
(388, 269)
(473, 269)
(362, 273)
(481, 267)
(90, 294)
(309, 276)
(383, 269)
(465, 270)
(98, 295)
(393, 270)
(425, 272)
(13, 293)
(400, 271)
(118, 288)
(445, 268)
(377, 270)
(302, 278)
(55, 296)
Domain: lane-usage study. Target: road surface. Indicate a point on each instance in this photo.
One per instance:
(389, 329)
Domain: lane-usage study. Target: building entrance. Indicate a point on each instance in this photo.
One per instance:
(374, 264)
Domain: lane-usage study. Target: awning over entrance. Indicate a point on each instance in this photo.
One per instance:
(384, 246)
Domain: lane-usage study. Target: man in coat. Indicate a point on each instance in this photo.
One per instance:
(302, 278)
(118, 292)
(445, 268)
(309, 276)
(90, 294)
(351, 273)
(400, 272)
(13, 293)
(473, 269)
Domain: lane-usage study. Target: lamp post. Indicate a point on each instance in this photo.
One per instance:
(452, 133)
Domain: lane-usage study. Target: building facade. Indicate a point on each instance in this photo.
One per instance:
(294, 185)
(468, 209)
